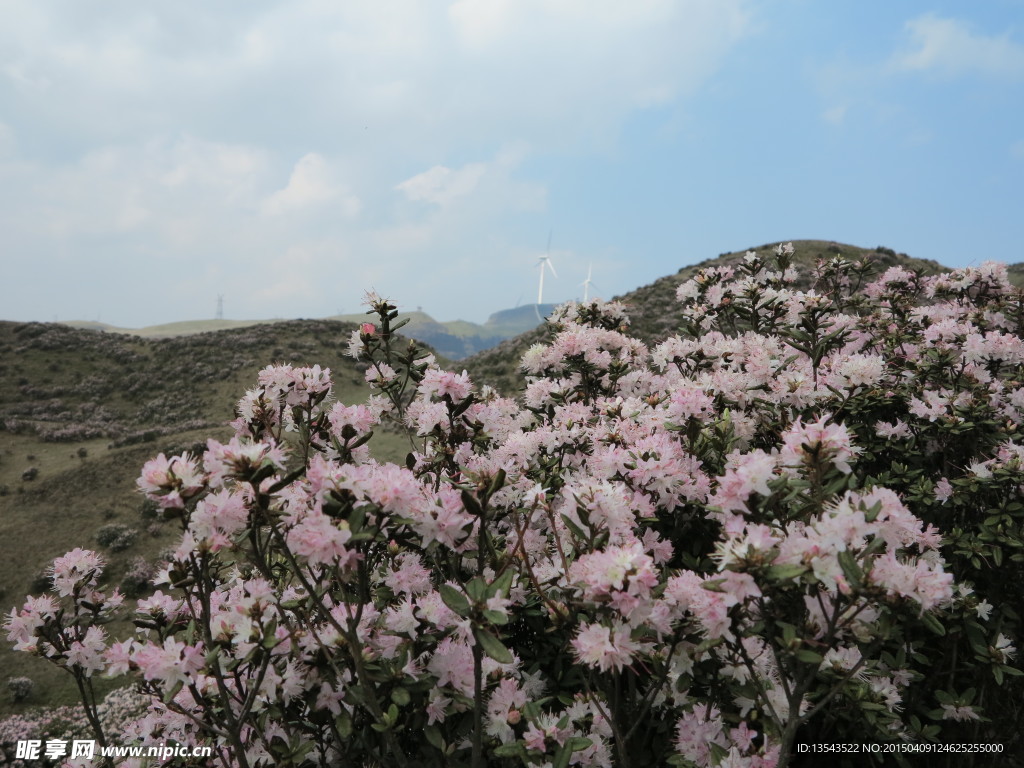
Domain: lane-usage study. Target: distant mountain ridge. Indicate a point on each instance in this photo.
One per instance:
(454, 339)
(491, 351)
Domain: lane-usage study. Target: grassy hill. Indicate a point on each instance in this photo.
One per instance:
(652, 312)
(81, 411)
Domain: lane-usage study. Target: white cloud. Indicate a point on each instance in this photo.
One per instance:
(567, 72)
(441, 185)
(381, 143)
(309, 187)
(476, 191)
(232, 169)
(951, 47)
(350, 76)
(162, 186)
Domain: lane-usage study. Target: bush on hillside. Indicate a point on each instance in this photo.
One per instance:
(116, 537)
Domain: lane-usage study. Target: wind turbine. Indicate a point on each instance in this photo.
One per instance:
(587, 283)
(542, 262)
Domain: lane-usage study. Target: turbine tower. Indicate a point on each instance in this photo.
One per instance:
(542, 262)
(587, 283)
(220, 306)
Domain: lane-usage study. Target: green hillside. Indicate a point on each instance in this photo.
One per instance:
(651, 307)
(81, 411)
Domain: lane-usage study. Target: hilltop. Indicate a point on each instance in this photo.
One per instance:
(651, 307)
(67, 385)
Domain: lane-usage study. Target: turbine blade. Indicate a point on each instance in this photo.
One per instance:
(552, 267)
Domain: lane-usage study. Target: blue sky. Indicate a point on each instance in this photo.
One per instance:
(291, 156)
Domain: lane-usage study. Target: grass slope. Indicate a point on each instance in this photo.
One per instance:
(85, 410)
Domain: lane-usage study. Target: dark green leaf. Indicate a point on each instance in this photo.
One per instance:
(930, 621)
(343, 723)
(170, 693)
(455, 600)
(287, 480)
(497, 482)
(492, 646)
(477, 589)
(515, 749)
(809, 657)
(503, 584)
(471, 504)
(786, 572)
(851, 568)
(577, 531)
(400, 696)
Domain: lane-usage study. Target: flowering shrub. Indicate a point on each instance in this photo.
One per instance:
(138, 579)
(20, 688)
(765, 529)
(116, 537)
(118, 708)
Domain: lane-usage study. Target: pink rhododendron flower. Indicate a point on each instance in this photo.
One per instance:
(79, 566)
(322, 542)
(832, 442)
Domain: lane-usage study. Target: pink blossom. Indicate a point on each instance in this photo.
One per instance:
(961, 713)
(443, 519)
(77, 567)
(898, 429)
(118, 657)
(452, 665)
(160, 606)
(615, 568)
(440, 384)
(931, 408)
(831, 440)
(410, 577)
(437, 707)
(330, 699)
(360, 418)
(240, 459)
(170, 482)
(321, 541)
(218, 517)
(918, 580)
